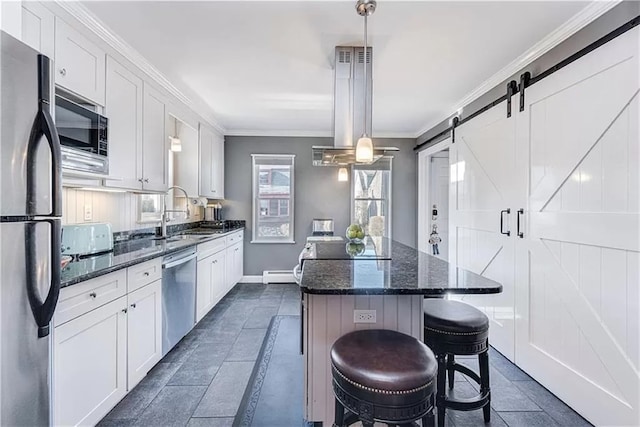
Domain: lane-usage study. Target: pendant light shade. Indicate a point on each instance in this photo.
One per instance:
(364, 150)
(343, 175)
(176, 144)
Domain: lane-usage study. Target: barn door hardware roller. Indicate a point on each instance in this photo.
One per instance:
(454, 123)
(512, 88)
(524, 82)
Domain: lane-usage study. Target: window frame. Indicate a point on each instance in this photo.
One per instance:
(354, 169)
(255, 177)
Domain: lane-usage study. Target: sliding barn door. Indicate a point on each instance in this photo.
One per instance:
(578, 261)
(482, 172)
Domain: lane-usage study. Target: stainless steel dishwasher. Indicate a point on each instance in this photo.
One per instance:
(178, 297)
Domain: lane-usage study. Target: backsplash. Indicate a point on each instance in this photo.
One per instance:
(118, 209)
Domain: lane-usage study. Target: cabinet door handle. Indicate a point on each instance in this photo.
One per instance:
(140, 180)
(146, 273)
(520, 233)
(146, 180)
(93, 295)
(502, 212)
(63, 72)
(124, 310)
(133, 305)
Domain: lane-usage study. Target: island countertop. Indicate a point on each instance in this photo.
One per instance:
(406, 271)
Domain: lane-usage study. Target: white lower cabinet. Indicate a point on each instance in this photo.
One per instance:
(204, 291)
(239, 262)
(218, 276)
(231, 265)
(210, 284)
(220, 267)
(144, 331)
(105, 342)
(90, 364)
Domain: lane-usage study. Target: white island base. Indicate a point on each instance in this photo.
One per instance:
(326, 318)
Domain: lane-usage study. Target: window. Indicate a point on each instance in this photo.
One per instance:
(372, 197)
(149, 208)
(273, 198)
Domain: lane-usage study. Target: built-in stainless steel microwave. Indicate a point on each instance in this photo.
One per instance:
(83, 137)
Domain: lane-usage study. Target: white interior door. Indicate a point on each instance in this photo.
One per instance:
(578, 263)
(482, 185)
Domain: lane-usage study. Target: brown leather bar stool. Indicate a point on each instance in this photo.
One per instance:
(454, 328)
(385, 376)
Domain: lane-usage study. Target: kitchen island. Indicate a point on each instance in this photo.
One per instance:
(385, 277)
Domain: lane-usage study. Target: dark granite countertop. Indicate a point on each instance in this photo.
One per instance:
(409, 271)
(133, 252)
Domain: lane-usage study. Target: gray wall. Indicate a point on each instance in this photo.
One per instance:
(318, 194)
(611, 20)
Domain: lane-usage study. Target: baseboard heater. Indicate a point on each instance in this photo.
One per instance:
(277, 276)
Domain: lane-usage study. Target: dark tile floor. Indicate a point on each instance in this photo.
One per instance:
(201, 382)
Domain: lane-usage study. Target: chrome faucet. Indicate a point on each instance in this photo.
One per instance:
(165, 211)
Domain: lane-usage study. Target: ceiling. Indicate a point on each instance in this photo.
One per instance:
(266, 67)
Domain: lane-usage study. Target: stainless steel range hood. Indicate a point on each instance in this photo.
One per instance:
(349, 109)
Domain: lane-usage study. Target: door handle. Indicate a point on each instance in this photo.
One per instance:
(43, 125)
(520, 233)
(43, 310)
(502, 212)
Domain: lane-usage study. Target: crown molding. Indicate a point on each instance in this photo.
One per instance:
(588, 14)
(308, 134)
(283, 133)
(102, 31)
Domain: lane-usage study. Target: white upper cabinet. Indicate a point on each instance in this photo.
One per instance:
(155, 146)
(10, 21)
(138, 142)
(80, 65)
(38, 24)
(124, 110)
(211, 164)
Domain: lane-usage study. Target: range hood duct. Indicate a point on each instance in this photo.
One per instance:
(350, 112)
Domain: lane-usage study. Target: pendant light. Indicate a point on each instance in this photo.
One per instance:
(176, 144)
(343, 175)
(364, 147)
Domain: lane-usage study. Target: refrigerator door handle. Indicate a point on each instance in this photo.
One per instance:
(43, 310)
(43, 125)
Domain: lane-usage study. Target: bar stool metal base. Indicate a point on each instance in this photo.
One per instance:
(447, 368)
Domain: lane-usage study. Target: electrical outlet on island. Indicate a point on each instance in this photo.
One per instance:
(88, 213)
(364, 316)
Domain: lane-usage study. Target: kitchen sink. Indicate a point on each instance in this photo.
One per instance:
(202, 232)
(178, 238)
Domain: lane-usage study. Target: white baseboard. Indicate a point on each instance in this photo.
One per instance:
(251, 279)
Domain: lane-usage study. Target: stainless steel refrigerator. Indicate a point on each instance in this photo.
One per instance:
(30, 211)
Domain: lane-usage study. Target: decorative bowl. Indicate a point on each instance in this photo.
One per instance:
(355, 239)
